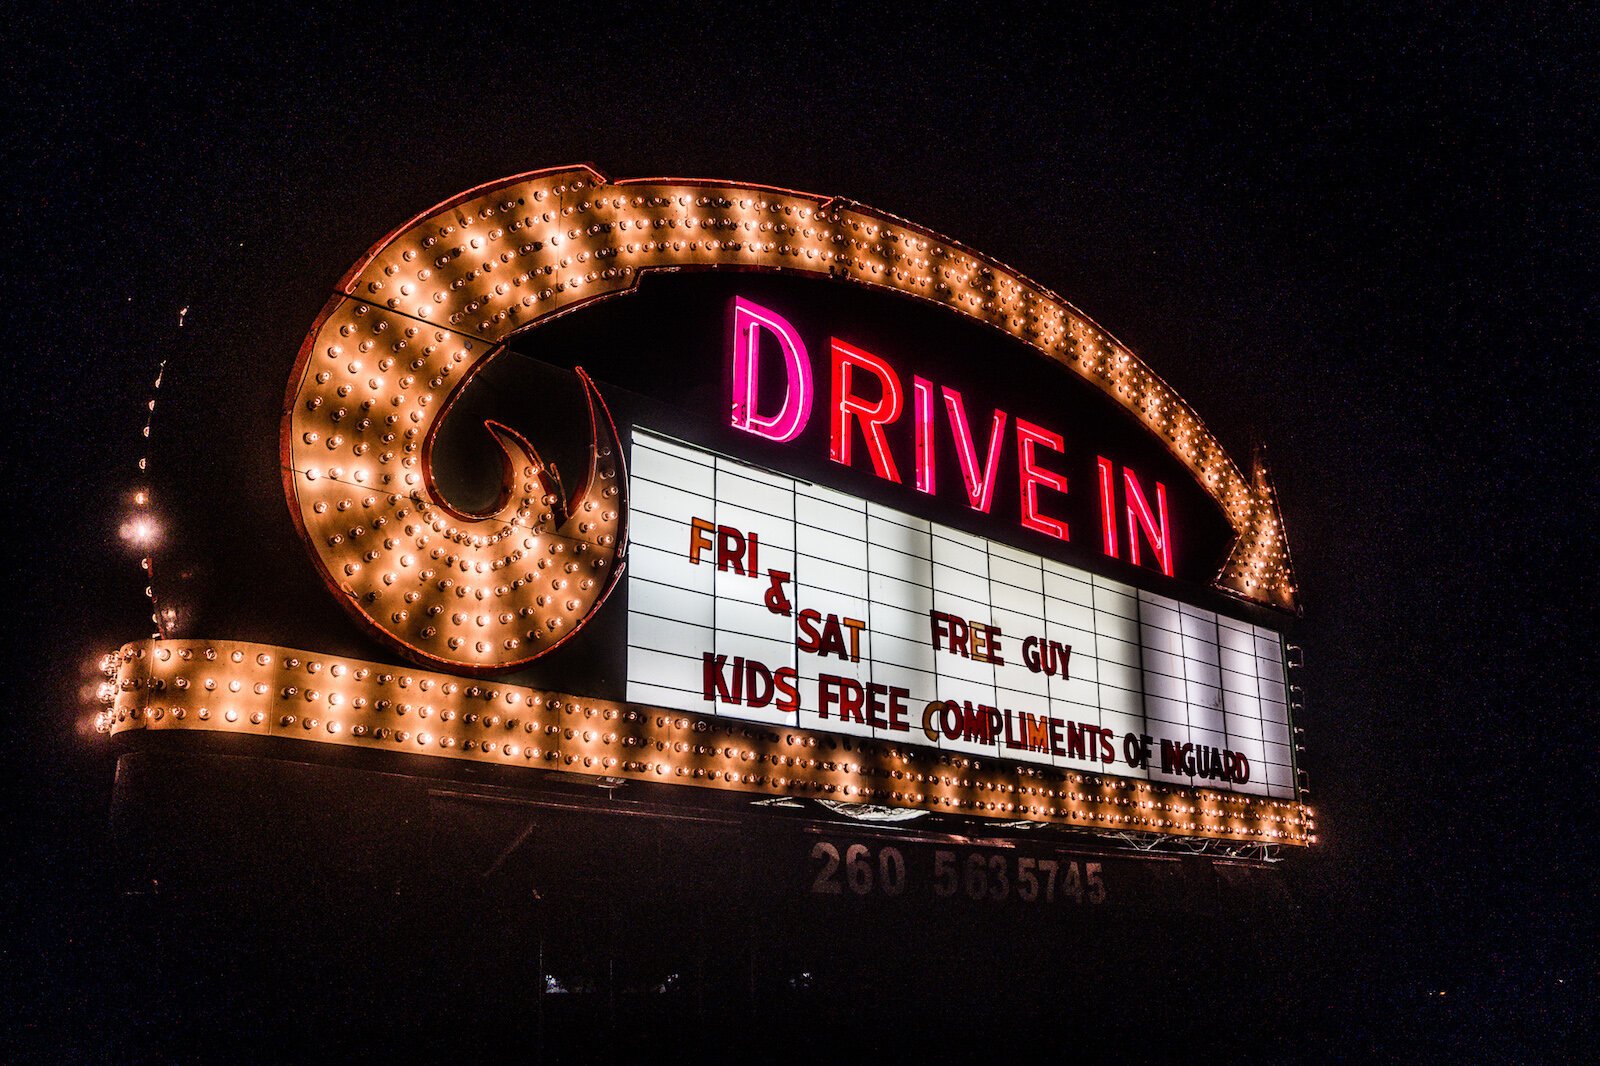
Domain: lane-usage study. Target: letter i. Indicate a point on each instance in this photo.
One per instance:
(1108, 505)
(922, 404)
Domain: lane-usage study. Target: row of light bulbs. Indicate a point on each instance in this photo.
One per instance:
(225, 685)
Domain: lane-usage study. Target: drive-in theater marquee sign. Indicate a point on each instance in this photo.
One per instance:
(865, 516)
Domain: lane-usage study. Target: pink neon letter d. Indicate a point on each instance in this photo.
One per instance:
(749, 319)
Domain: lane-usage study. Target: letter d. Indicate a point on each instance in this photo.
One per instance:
(749, 321)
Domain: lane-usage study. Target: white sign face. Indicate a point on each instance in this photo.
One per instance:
(759, 597)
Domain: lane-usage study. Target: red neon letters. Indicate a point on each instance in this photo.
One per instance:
(922, 412)
(1153, 526)
(980, 483)
(748, 321)
(873, 415)
(1032, 475)
(866, 408)
(1108, 505)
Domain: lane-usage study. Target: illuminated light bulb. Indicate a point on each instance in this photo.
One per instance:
(141, 531)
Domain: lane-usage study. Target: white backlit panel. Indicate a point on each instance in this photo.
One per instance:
(759, 597)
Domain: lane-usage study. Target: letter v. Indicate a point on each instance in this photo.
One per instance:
(980, 483)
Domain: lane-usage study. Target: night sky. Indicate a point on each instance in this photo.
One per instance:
(1354, 238)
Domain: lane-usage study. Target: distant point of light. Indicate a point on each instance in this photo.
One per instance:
(141, 531)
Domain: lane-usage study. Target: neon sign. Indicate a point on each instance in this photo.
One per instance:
(470, 594)
(854, 416)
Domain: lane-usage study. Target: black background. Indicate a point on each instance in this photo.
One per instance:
(1353, 235)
